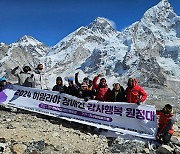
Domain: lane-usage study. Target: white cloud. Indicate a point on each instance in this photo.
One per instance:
(112, 23)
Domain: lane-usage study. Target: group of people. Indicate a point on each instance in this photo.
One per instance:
(27, 78)
(91, 89)
(88, 89)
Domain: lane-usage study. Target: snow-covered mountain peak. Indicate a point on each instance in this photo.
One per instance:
(160, 13)
(28, 40)
(1, 43)
(102, 21)
(164, 3)
(138, 51)
(102, 26)
(31, 45)
(158, 26)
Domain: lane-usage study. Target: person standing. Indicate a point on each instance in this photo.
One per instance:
(59, 86)
(25, 78)
(72, 89)
(40, 77)
(85, 93)
(85, 80)
(102, 90)
(118, 93)
(134, 92)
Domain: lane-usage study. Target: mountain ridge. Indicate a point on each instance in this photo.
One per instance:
(100, 48)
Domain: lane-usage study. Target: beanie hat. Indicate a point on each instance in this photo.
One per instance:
(2, 79)
(58, 78)
(26, 68)
(86, 79)
(70, 79)
(168, 106)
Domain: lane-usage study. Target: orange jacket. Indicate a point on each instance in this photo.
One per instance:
(163, 121)
(135, 94)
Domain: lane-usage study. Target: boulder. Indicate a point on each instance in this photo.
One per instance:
(19, 148)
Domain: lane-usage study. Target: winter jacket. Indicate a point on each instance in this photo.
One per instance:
(29, 82)
(86, 94)
(60, 88)
(90, 87)
(119, 97)
(24, 79)
(40, 79)
(72, 90)
(102, 93)
(136, 94)
(165, 123)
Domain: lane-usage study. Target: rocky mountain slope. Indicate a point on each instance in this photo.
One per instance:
(149, 50)
(22, 132)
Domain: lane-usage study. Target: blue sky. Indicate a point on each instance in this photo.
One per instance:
(49, 21)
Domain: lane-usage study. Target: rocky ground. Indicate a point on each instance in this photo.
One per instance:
(23, 132)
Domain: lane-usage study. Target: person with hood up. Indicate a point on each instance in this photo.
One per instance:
(3, 83)
(40, 77)
(102, 90)
(25, 78)
(134, 92)
(59, 86)
(165, 124)
(118, 93)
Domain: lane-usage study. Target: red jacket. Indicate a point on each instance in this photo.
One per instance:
(103, 93)
(163, 120)
(135, 94)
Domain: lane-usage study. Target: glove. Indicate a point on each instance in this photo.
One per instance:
(32, 75)
(76, 74)
(16, 67)
(138, 103)
(86, 99)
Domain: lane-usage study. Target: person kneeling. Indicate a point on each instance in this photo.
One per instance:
(165, 124)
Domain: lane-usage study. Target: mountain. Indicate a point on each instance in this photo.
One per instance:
(31, 45)
(26, 51)
(149, 50)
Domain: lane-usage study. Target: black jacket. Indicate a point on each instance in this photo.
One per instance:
(120, 96)
(86, 94)
(72, 90)
(60, 88)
